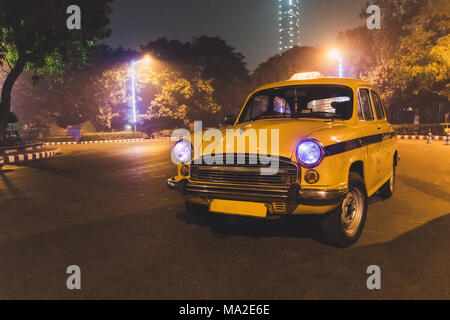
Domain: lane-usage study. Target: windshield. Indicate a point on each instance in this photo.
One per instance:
(305, 101)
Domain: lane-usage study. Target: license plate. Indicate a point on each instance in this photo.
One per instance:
(243, 208)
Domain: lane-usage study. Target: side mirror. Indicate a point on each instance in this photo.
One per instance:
(230, 120)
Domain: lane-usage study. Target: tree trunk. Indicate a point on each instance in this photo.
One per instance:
(5, 102)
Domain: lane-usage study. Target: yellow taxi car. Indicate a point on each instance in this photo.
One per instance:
(335, 149)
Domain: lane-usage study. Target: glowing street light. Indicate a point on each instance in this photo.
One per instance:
(335, 54)
(146, 59)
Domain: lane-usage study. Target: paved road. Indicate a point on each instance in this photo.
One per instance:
(106, 209)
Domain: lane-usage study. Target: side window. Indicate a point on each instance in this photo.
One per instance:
(377, 105)
(365, 107)
(257, 106)
(260, 105)
(360, 111)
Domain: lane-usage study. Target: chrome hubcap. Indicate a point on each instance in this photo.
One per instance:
(352, 211)
(392, 183)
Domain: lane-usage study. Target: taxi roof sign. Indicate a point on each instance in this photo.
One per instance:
(307, 76)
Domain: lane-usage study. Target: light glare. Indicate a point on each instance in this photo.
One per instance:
(333, 53)
(307, 76)
(309, 152)
(182, 151)
(336, 55)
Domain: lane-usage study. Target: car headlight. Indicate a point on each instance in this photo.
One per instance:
(310, 153)
(182, 152)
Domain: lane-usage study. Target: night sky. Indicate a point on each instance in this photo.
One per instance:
(248, 25)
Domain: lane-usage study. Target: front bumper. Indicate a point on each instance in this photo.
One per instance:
(293, 195)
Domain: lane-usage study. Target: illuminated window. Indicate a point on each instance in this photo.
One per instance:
(289, 23)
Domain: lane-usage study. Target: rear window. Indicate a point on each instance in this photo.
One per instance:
(365, 107)
(377, 105)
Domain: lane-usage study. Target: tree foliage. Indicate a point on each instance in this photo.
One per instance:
(34, 36)
(210, 59)
(100, 92)
(409, 57)
(298, 59)
(178, 98)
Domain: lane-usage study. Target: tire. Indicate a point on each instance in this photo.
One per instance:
(387, 190)
(337, 227)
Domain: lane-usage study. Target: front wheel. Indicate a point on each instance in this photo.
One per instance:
(343, 226)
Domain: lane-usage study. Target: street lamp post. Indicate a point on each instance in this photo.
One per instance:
(335, 54)
(133, 90)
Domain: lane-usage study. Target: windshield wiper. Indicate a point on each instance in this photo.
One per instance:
(272, 116)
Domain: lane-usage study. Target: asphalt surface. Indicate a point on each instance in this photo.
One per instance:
(106, 209)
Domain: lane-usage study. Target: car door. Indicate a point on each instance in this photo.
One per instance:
(372, 138)
(386, 154)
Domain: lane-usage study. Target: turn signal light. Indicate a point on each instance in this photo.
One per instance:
(311, 176)
(184, 170)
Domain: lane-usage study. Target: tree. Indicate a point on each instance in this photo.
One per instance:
(207, 58)
(298, 59)
(226, 68)
(176, 53)
(357, 45)
(34, 36)
(95, 91)
(408, 59)
(422, 63)
(181, 99)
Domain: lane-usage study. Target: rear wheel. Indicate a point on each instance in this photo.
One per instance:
(387, 190)
(343, 226)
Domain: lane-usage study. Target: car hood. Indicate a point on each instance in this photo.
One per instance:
(287, 132)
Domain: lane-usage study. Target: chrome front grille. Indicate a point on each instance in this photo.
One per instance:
(247, 171)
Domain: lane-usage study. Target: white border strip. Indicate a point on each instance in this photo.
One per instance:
(412, 137)
(22, 157)
(94, 141)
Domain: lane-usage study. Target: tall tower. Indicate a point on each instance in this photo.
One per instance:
(288, 24)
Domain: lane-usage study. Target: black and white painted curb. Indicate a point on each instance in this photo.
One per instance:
(92, 142)
(108, 141)
(22, 157)
(437, 138)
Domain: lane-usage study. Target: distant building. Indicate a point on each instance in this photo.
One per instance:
(288, 24)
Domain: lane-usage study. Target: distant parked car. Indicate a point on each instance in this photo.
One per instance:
(75, 132)
(12, 136)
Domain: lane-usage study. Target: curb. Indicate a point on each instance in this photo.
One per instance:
(437, 138)
(107, 141)
(22, 157)
(91, 142)
(166, 139)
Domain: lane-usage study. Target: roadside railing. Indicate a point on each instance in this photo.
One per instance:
(20, 148)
